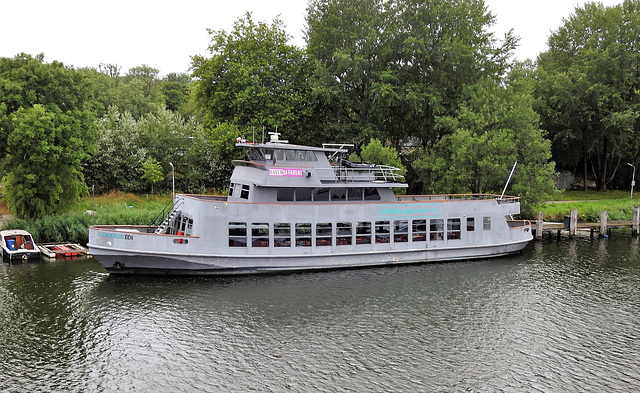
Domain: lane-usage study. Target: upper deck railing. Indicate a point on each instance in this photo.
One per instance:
(457, 197)
(370, 173)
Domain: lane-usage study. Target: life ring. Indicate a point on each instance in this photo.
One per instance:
(118, 265)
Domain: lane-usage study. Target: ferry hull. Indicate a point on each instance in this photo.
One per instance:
(150, 263)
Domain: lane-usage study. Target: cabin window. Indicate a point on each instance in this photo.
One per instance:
(311, 156)
(371, 194)
(231, 189)
(338, 194)
(401, 231)
(471, 224)
(260, 235)
(363, 233)
(419, 230)
(324, 233)
(383, 232)
(268, 155)
(343, 233)
(285, 194)
(255, 155)
(303, 235)
(244, 194)
(290, 155)
(304, 194)
(321, 194)
(237, 234)
(282, 235)
(436, 229)
(486, 223)
(453, 228)
(280, 155)
(355, 194)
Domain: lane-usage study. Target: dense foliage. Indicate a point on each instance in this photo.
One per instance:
(588, 90)
(419, 84)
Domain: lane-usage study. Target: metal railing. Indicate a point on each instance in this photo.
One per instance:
(166, 211)
(383, 173)
(456, 197)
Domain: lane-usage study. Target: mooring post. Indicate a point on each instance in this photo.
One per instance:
(636, 219)
(603, 223)
(573, 223)
(539, 226)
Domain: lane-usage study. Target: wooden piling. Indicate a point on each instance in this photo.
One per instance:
(635, 221)
(539, 226)
(603, 223)
(573, 223)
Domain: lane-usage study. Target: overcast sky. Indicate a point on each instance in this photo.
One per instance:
(165, 34)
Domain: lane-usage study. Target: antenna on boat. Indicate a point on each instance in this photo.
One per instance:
(263, 134)
(509, 179)
(253, 138)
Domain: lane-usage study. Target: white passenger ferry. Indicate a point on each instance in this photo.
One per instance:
(293, 208)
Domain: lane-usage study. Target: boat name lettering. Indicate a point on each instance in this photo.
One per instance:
(421, 210)
(287, 172)
(116, 235)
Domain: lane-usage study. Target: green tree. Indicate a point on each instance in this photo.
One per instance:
(46, 130)
(176, 89)
(495, 127)
(43, 171)
(588, 87)
(253, 77)
(124, 144)
(392, 69)
(376, 153)
(151, 172)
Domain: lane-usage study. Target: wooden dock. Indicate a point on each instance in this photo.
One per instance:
(572, 226)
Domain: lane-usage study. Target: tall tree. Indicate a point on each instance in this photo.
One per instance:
(495, 127)
(46, 129)
(253, 77)
(588, 90)
(391, 69)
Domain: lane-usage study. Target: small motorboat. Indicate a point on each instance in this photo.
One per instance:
(18, 244)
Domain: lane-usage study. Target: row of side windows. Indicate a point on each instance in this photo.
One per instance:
(327, 194)
(242, 234)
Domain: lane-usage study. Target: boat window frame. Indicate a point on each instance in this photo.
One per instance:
(240, 237)
(436, 229)
(383, 231)
(419, 230)
(454, 229)
(363, 232)
(400, 231)
(324, 238)
(258, 236)
(303, 234)
(471, 224)
(282, 234)
(344, 233)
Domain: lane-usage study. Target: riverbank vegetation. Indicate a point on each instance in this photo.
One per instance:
(426, 79)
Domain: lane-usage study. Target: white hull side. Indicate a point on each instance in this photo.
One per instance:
(124, 262)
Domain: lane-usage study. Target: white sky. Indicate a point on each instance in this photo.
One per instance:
(165, 35)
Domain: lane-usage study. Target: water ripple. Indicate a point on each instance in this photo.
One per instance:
(561, 317)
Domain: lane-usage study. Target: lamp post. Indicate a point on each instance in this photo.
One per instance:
(633, 178)
(173, 182)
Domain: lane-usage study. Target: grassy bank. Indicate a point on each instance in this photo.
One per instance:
(108, 209)
(618, 204)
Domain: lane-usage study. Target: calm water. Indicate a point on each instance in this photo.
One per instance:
(562, 317)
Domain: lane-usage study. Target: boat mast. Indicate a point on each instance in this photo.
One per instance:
(509, 179)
